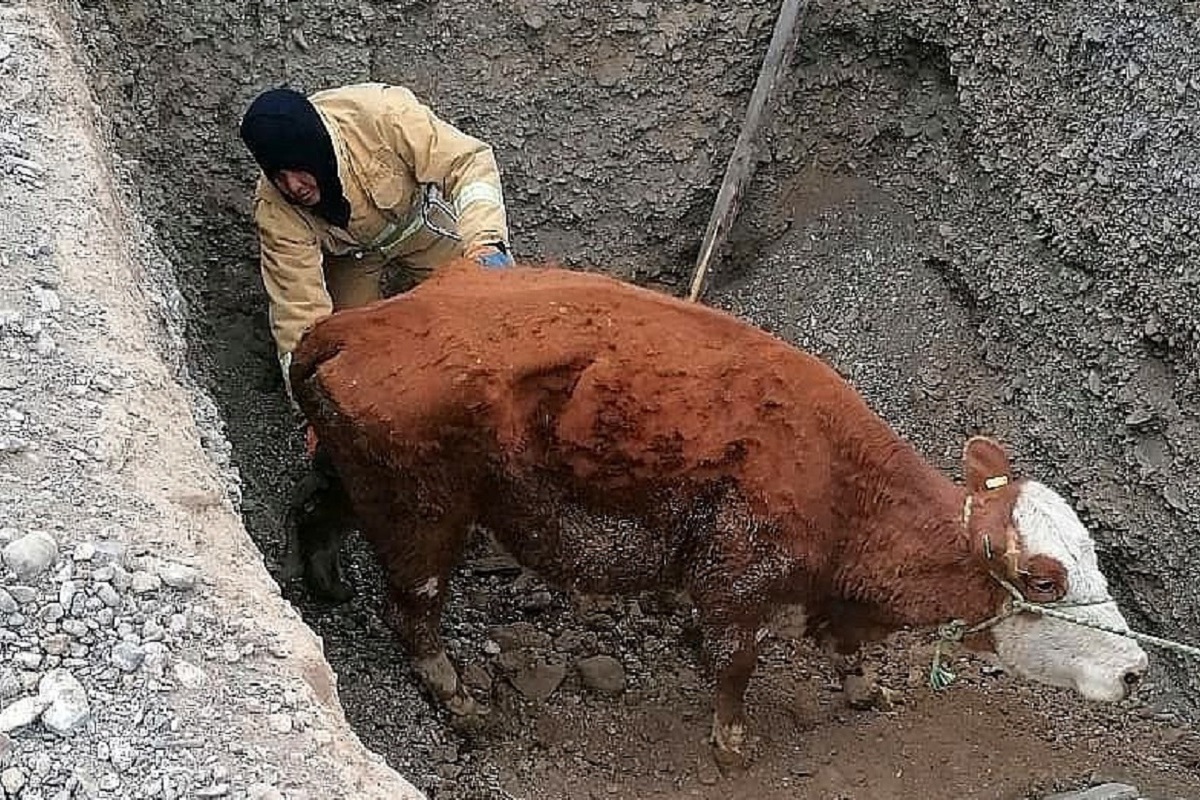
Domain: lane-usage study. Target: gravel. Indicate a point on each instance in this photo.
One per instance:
(114, 621)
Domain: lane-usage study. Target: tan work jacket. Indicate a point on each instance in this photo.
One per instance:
(395, 157)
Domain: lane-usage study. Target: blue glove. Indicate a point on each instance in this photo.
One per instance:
(496, 260)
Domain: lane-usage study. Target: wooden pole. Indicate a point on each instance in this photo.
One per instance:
(741, 162)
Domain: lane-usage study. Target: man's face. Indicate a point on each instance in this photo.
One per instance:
(298, 186)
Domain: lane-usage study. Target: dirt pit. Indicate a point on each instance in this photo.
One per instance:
(984, 216)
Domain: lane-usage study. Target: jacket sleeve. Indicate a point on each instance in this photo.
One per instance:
(463, 166)
(292, 273)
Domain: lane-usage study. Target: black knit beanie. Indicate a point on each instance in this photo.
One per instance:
(283, 130)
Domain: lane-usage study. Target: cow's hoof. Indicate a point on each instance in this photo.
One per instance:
(462, 704)
(730, 762)
(728, 744)
(468, 716)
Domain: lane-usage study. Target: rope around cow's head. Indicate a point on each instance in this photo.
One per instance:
(941, 677)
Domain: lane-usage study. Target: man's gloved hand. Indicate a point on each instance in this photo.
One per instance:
(490, 256)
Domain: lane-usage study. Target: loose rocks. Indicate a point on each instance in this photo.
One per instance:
(31, 555)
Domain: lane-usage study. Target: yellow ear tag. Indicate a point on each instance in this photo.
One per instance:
(996, 482)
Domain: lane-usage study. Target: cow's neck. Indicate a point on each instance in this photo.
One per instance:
(905, 554)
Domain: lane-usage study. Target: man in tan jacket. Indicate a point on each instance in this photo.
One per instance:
(355, 179)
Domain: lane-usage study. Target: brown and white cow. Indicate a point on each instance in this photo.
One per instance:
(615, 439)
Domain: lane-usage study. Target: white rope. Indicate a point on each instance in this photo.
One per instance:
(1166, 644)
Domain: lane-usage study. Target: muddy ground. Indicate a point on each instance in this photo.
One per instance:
(984, 214)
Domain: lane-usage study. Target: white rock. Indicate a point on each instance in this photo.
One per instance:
(21, 713)
(31, 555)
(157, 656)
(110, 552)
(66, 593)
(67, 708)
(122, 755)
(189, 674)
(23, 594)
(44, 346)
(13, 780)
(178, 576)
(128, 656)
(108, 595)
(144, 582)
(10, 684)
(48, 300)
(1106, 791)
(263, 791)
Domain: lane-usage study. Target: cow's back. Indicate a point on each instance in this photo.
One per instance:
(582, 378)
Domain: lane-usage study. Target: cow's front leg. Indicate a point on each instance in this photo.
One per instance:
(419, 563)
(730, 652)
(415, 615)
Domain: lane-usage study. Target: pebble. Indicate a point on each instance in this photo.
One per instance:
(10, 684)
(8, 604)
(155, 661)
(189, 675)
(31, 555)
(56, 644)
(27, 659)
(127, 656)
(21, 713)
(23, 594)
(66, 593)
(110, 553)
(68, 708)
(13, 780)
(603, 674)
(144, 582)
(108, 595)
(178, 576)
(1106, 791)
(121, 755)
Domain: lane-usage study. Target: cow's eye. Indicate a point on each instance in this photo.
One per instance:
(1043, 587)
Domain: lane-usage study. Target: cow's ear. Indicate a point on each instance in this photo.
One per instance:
(985, 465)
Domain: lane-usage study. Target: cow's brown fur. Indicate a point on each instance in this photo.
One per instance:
(616, 439)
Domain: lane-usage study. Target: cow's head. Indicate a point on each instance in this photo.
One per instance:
(1029, 535)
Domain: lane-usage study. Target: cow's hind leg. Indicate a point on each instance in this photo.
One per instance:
(730, 652)
(418, 569)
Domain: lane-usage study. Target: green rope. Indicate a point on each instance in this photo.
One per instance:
(941, 677)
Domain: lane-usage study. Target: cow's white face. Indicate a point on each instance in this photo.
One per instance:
(1059, 553)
